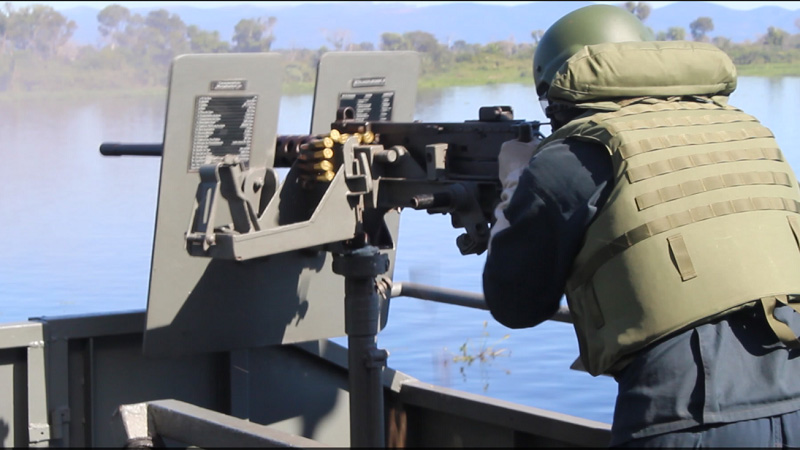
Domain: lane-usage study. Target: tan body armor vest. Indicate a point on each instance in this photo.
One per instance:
(703, 218)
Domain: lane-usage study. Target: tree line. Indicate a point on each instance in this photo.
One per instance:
(37, 54)
(775, 46)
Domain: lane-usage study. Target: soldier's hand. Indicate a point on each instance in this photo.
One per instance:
(515, 156)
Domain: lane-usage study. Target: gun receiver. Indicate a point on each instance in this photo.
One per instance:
(340, 185)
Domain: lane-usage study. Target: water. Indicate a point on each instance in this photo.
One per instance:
(78, 230)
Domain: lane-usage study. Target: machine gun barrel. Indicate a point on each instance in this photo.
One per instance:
(287, 148)
(120, 149)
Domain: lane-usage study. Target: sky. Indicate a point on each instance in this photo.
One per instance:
(59, 5)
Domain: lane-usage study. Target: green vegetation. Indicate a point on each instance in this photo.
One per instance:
(38, 58)
(484, 355)
(485, 69)
(770, 70)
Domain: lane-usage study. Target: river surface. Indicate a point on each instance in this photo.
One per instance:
(78, 230)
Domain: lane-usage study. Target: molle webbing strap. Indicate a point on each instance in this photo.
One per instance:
(711, 183)
(795, 226)
(680, 121)
(681, 140)
(676, 220)
(666, 166)
(679, 252)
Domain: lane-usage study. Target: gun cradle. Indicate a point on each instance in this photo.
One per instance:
(339, 187)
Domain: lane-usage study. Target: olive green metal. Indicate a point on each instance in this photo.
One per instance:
(366, 362)
(594, 24)
(192, 306)
(381, 86)
(299, 389)
(261, 276)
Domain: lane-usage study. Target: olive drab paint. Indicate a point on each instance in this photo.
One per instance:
(705, 211)
(635, 69)
(222, 113)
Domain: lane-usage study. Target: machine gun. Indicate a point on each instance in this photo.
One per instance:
(448, 168)
(341, 182)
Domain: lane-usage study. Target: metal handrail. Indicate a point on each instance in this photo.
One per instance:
(456, 297)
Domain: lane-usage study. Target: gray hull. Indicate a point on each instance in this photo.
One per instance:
(82, 381)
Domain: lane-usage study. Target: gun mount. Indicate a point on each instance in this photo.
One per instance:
(244, 257)
(232, 237)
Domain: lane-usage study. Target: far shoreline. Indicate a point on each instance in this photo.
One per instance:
(429, 82)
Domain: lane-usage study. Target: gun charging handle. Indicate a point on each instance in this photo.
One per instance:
(525, 132)
(504, 114)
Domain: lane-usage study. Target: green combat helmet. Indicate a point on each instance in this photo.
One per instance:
(595, 24)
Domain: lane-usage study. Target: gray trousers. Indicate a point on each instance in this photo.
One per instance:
(778, 431)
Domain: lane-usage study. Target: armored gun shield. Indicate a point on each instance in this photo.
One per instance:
(378, 86)
(219, 193)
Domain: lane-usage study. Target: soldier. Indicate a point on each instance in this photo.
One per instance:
(671, 221)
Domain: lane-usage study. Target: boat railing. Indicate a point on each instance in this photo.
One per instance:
(456, 297)
(68, 375)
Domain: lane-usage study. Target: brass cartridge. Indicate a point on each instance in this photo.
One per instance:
(325, 153)
(325, 142)
(368, 137)
(325, 176)
(323, 165)
(334, 134)
(307, 179)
